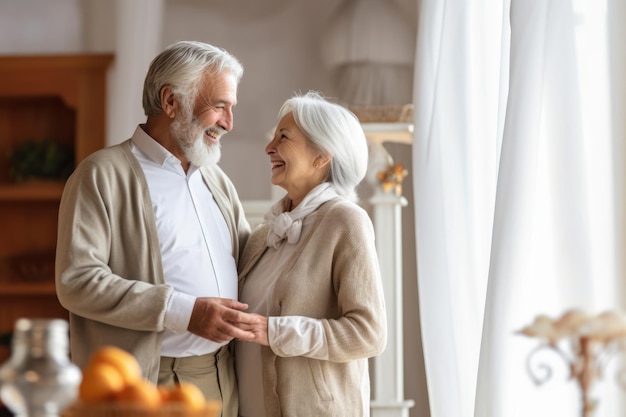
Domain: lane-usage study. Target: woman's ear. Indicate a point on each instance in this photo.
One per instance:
(321, 161)
(169, 103)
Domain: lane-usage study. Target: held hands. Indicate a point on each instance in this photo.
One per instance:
(222, 320)
(258, 328)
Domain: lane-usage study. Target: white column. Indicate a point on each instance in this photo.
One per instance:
(388, 383)
(139, 24)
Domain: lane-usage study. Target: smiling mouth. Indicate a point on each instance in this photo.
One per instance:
(277, 164)
(212, 135)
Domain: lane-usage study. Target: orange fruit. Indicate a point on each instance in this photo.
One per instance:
(188, 395)
(124, 362)
(164, 392)
(141, 393)
(109, 370)
(101, 381)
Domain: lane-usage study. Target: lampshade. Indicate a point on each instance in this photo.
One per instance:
(368, 31)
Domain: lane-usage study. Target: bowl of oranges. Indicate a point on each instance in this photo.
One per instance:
(113, 386)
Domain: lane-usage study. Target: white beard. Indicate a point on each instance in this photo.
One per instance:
(189, 134)
(200, 153)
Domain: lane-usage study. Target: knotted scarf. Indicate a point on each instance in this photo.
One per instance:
(288, 224)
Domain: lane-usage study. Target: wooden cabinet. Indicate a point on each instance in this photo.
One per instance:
(59, 98)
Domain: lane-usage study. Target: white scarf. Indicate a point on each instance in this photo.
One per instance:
(288, 224)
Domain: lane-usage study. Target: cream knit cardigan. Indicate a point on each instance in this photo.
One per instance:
(108, 260)
(335, 278)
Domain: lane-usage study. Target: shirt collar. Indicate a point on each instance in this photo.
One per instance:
(153, 149)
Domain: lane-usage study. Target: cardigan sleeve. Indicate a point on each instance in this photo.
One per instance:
(106, 268)
(360, 330)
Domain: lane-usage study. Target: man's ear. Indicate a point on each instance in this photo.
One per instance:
(169, 102)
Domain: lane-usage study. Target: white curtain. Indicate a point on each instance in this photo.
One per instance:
(518, 192)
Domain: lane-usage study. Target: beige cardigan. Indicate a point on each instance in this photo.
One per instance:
(335, 278)
(108, 261)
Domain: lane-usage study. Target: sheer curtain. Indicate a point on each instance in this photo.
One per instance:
(518, 190)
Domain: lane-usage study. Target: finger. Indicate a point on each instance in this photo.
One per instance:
(220, 339)
(241, 317)
(238, 333)
(245, 326)
(234, 304)
(222, 333)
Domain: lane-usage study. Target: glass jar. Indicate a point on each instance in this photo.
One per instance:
(39, 380)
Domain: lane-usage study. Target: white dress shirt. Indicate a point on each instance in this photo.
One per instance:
(196, 247)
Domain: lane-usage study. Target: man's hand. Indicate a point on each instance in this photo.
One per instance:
(214, 318)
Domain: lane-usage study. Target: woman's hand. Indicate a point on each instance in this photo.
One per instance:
(257, 327)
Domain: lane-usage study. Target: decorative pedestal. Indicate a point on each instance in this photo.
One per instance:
(388, 377)
(585, 342)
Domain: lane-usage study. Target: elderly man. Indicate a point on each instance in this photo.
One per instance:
(150, 232)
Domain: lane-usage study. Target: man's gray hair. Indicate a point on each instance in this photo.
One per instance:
(182, 66)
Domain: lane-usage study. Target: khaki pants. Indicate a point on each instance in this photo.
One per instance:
(213, 373)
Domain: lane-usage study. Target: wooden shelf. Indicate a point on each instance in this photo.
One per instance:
(32, 191)
(21, 289)
(42, 97)
(23, 75)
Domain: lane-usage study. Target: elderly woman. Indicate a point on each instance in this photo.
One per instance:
(311, 272)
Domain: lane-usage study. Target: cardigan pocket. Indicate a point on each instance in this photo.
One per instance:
(319, 380)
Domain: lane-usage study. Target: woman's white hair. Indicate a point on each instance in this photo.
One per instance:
(336, 132)
(182, 66)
